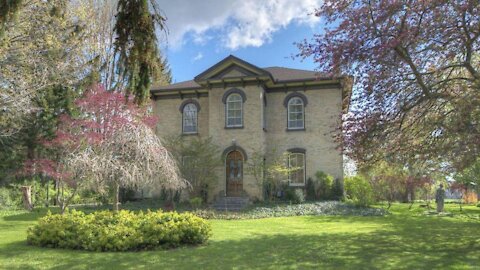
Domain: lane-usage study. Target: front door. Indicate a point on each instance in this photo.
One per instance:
(234, 169)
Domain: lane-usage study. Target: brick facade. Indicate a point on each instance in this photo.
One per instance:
(322, 117)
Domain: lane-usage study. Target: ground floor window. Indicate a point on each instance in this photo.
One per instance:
(296, 161)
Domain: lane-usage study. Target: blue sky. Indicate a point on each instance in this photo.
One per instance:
(201, 33)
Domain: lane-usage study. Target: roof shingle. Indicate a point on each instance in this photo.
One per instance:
(279, 74)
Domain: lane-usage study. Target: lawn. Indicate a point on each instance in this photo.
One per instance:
(405, 239)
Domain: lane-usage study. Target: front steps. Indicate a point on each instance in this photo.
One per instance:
(230, 203)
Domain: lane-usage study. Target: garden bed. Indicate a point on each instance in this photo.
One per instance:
(327, 208)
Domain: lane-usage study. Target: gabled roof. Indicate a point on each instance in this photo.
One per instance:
(228, 62)
(281, 74)
(191, 84)
(273, 74)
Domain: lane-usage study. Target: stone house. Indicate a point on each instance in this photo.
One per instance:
(244, 109)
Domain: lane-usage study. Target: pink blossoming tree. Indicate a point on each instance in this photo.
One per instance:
(110, 144)
(417, 76)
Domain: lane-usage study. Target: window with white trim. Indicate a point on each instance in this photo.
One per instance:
(296, 162)
(190, 119)
(296, 113)
(234, 110)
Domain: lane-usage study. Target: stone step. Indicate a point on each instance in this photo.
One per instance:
(230, 203)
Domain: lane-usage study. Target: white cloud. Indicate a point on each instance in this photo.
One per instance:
(197, 57)
(238, 23)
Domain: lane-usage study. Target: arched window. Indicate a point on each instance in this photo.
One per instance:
(234, 110)
(190, 117)
(296, 113)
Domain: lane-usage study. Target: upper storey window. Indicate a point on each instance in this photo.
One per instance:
(296, 113)
(189, 109)
(234, 110)
(233, 100)
(190, 119)
(295, 104)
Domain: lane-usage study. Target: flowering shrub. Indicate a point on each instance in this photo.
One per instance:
(122, 231)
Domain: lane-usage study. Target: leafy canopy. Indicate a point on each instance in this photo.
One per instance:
(417, 71)
(136, 45)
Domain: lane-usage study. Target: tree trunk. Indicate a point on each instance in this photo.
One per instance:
(47, 201)
(56, 193)
(116, 198)
(27, 197)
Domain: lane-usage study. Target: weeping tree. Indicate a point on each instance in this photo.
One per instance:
(139, 60)
(112, 145)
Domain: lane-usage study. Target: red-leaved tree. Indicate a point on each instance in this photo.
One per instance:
(110, 144)
(417, 76)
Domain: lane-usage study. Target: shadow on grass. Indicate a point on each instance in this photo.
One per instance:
(379, 250)
(399, 243)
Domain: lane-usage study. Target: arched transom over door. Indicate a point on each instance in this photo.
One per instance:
(234, 170)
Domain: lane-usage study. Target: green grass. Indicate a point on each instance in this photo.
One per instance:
(405, 239)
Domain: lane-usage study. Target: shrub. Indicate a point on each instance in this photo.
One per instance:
(196, 202)
(310, 189)
(125, 230)
(324, 185)
(10, 197)
(337, 190)
(294, 195)
(358, 191)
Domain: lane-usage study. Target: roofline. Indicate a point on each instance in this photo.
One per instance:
(160, 90)
(275, 83)
(233, 58)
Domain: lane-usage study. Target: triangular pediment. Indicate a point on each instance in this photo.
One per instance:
(231, 67)
(234, 71)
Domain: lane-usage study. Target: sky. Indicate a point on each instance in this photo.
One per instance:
(262, 32)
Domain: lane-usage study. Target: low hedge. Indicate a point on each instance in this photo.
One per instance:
(122, 231)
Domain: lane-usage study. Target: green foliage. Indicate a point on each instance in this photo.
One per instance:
(198, 160)
(270, 174)
(294, 195)
(337, 190)
(325, 184)
(136, 45)
(125, 230)
(470, 176)
(196, 202)
(287, 209)
(10, 198)
(310, 189)
(358, 191)
(323, 187)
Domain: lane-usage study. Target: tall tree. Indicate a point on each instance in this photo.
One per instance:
(417, 69)
(41, 48)
(136, 45)
(47, 56)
